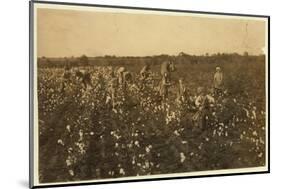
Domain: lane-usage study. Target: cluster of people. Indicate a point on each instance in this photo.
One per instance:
(112, 122)
(121, 78)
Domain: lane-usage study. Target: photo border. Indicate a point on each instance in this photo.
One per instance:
(31, 92)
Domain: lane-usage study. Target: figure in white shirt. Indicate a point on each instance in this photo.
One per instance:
(218, 82)
(203, 102)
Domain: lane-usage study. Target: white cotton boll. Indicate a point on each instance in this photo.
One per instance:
(173, 114)
(69, 150)
(120, 111)
(147, 149)
(182, 157)
(81, 134)
(68, 162)
(121, 171)
(167, 121)
(255, 133)
(254, 114)
(71, 172)
(107, 99)
(176, 133)
(68, 128)
(60, 142)
(261, 141)
(137, 143)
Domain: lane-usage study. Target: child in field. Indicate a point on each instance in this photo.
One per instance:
(202, 102)
(181, 91)
(87, 80)
(164, 85)
(65, 78)
(120, 75)
(84, 76)
(218, 82)
(112, 88)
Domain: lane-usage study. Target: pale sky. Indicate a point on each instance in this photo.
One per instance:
(63, 33)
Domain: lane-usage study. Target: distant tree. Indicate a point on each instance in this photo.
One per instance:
(181, 54)
(246, 53)
(84, 60)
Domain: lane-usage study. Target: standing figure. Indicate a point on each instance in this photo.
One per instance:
(164, 85)
(87, 80)
(85, 77)
(112, 89)
(166, 68)
(203, 103)
(65, 78)
(218, 82)
(181, 91)
(120, 75)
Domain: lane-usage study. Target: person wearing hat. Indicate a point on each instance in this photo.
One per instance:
(218, 81)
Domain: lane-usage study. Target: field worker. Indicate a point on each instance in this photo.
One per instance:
(144, 73)
(65, 78)
(85, 77)
(218, 81)
(181, 91)
(164, 85)
(203, 103)
(166, 68)
(113, 85)
(120, 75)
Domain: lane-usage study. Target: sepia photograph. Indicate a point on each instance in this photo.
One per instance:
(124, 94)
